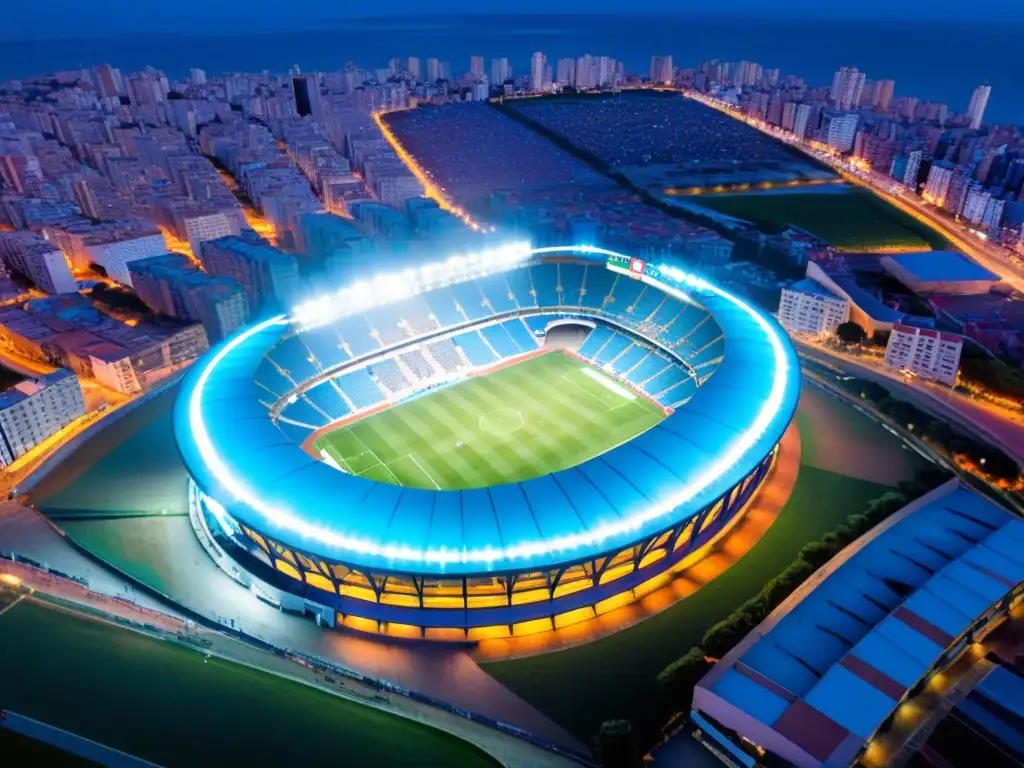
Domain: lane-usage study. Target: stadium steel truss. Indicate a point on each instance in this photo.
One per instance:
(510, 559)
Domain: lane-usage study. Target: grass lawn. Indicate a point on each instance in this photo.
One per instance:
(164, 703)
(853, 221)
(544, 414)
(616, 676)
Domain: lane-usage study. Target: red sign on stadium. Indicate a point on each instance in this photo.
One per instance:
(636, 267)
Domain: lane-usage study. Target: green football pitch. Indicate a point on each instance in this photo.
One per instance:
(544, 414)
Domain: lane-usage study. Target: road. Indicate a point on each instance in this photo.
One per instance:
(1004, 262)
(996, 425)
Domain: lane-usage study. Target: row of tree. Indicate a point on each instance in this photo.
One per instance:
(993, 461)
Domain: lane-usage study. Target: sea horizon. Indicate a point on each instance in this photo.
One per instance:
(936, 60)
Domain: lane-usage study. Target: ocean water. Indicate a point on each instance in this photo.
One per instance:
(941, 61)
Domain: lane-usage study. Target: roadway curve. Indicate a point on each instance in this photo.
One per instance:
(968, 415)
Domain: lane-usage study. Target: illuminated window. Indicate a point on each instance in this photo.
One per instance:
(285, 567)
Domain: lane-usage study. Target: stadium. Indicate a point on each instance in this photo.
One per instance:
(494, 445)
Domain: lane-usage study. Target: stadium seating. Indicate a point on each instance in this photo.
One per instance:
(700, 335)
(708, 354)
(649, 366)
(471, 300)
(385, 322)
(537, 324)
(360, 388)
(668, 311)
(611, 349)
(570, 282)
(270, 378)
(623, 295)
(645, 305)
(476, 350)
(625, 362)
(519, 283)
(303, 411)
(328, 398)
(665, 380)
(442, 306)
(415, 313)
(495, 290)
(500, 341)
(521, 335)
(597, 285)
(389, 376)
(356, 332)
(678, 394)
(446, 354)
(545, 280)
(594, 341)
(293, 356)
(326, 346)
(418, 365)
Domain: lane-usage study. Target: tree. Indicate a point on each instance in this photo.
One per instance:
(678, 679)
(851, 333)
(615, 746)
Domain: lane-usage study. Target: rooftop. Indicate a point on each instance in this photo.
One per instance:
(942, 266)
(827, 668)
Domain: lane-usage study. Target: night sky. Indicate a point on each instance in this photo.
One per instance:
(32, 20)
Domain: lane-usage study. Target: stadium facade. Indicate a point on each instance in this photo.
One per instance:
(484, 562)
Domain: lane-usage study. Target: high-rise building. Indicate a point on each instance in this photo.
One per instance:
(537, 62)
(45, 265)
(847, 85)
(801, 120)
(807, 307)
(210, 226)
(842, 129)
(940, 176)
(306, 90)
(433, 70)
(500, 72)
(662, 72)
(928, 353)
(268, 276)
(197, 76)
(976, 109)
(884, 92)
(34, 409)
(170, 285)
(412, 66)
(565, 74)
(788, 115)
(476, 66)
(913, 170)
(109, 81)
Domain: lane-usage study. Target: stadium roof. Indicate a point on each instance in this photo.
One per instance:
(824, 671)
(238, 457)
(942, 267)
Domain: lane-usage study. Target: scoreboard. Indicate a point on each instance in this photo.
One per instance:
(632, 266)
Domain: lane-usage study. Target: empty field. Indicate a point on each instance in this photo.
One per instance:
(541, 415)
(170, 705)
(854, 221)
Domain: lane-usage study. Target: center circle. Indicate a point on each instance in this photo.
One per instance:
(501, 422)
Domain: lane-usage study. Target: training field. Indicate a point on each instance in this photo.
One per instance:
(544, 414)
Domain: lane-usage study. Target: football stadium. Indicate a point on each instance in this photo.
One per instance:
(494, 445)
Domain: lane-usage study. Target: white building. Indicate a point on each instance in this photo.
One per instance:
(537, 62)
(33, 410)
(976, 202)
(500, 72)
(115, 255)
(842, 130)
(39, 261)
(800, 120)
(847, 85)
(940, 176)
(976, 109)
(662, 72)
(210, 226)
(565, 74)
(197, 76)
(928, 353)
(807, 307)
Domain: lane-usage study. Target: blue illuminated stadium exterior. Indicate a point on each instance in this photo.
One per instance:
(542, 552)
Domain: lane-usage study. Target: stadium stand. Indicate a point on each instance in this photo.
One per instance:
(360, 388)
(612, 348)
(293, 356)
(357, 335)
(304, 412)
(475, 348)
(630, 357)
(521, 335)
(650, 367)
(326, 347)
(328, 398)
(418, 365)
(415, 315)
(442, 306)
(269, 376)
(389, 376)
(545, 281)
(570, 283)
(499, 340)
(519, 284)
(497, 293)
(470, 300)
(447, 355)
(593, 343)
